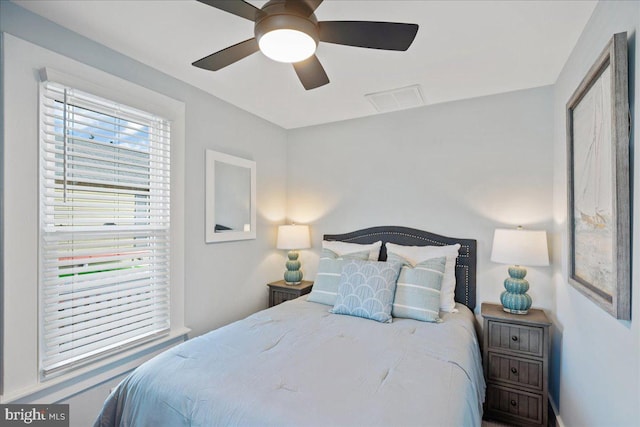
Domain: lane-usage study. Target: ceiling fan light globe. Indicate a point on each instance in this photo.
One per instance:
(287, 45)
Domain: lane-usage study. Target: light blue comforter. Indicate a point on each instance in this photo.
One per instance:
(296, 364)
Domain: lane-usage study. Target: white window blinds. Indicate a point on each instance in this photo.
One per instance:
(104, 227)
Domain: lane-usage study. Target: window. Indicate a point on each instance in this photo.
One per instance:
(104, 227)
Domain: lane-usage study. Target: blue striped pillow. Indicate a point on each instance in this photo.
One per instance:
(325, 287)
(418, 289)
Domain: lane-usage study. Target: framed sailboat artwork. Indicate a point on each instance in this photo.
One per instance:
(598, 182)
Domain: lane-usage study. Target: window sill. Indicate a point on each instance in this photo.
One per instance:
(64, 386)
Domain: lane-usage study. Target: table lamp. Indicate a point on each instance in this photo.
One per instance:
(518, 247)
(293, 237)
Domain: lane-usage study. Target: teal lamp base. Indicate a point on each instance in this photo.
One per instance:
(515, 299)
(293, 275)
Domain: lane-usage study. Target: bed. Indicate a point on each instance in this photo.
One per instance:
(299, 364)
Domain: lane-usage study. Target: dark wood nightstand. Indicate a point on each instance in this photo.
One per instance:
(516, 365)
(280, 292)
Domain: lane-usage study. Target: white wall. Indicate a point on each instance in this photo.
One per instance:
(596, 358)
(459, 169)
(223, 282)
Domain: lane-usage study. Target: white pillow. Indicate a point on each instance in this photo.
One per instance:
(343, 248)
(417, 254)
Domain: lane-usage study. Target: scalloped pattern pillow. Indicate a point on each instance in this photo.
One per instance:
(366, 289)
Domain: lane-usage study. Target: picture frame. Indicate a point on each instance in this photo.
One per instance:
(598, 212)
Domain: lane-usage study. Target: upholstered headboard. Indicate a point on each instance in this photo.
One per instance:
(465, 265)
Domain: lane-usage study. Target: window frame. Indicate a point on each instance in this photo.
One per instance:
(125, 294)
(22, 73)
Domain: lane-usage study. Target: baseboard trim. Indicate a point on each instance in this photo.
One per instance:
(556, 414)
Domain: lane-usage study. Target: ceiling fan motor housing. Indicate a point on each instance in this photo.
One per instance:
(279, 17)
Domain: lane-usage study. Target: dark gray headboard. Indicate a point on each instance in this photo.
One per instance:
(465, 265)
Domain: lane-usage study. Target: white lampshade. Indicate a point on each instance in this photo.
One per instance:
(293, 237)
(520, 247)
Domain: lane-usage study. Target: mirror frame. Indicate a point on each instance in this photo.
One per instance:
(210, 235)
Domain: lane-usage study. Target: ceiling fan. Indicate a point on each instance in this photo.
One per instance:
(288, 31)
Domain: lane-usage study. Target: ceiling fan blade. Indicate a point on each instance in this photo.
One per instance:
(304, 7)
(311, 73)
(237, 7)
(372, 35)
(228, 56)
(313, 4)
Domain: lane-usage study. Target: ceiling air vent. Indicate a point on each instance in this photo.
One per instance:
(396, 99)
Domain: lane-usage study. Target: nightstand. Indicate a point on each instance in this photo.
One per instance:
(516, 365)
(280, 292)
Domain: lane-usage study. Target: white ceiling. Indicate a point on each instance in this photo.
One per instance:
(463, 49)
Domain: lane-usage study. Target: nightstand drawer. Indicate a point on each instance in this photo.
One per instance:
(278, 296)
(522, 339)
(516, 371)
(515, 405)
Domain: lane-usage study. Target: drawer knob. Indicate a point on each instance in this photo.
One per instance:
(514, 403)
(514, 371)
(514, 338)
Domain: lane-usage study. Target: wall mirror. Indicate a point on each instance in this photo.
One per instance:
(230, 198)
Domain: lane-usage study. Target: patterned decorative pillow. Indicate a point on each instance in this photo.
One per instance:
(325, 287)
(417, 254)
(366, 289)
(418, 289)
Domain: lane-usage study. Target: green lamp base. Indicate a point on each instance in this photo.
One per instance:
(515, 299)
(293, 275)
